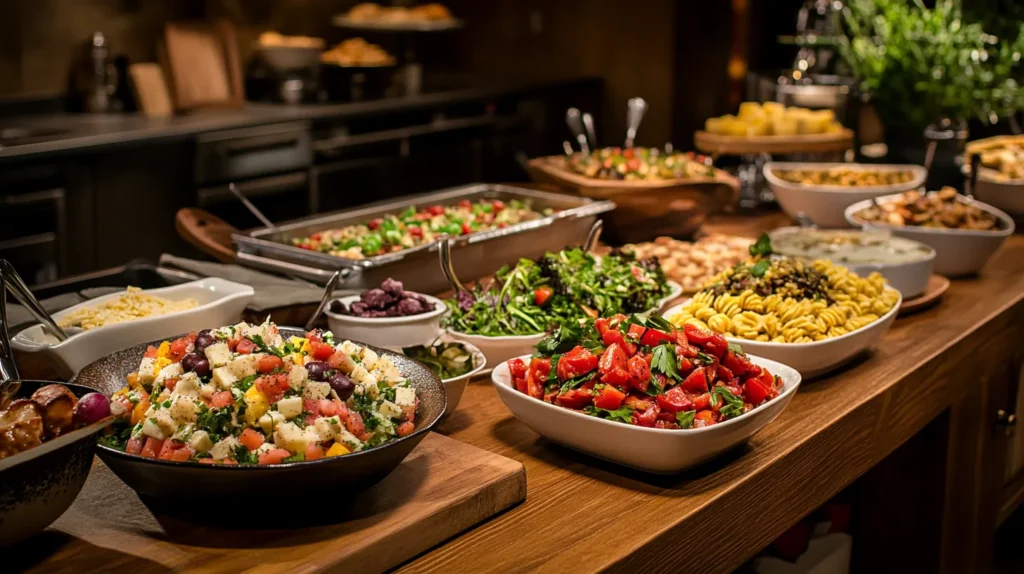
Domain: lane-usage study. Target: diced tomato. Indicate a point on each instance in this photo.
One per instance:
(314, 451)
(662, 423)
(222, 399)
(639, 372)
(574, 399)
(168, 449)
(614, 337)
(251, 439)
(535, 387)
(695, 335)
(612, 358)
(245, 347)
(517, 367)
(405, 428)
(738, 364)
(228, 461)
(716, 346)
(183, 454)
(152, 447)
(312, 407)
(638, 402)
(169, 384)
(274, 386)
(134, 445)
(695, 382)
(466, 228)
(724, 374)
(498, 205)
(647, 417)
(602, 325)
(654, 337)
(150, 352)
(542, 295)
(704, 419)
(268, 363)
(375, 223)
(466, 204)
(140, 410)
(767, 379)
(435, 210)
(415, 231)
(208, 461)
(540, 366)
(180, 347)
(627, 153)
(675, 400)
(328, 408)
(576, 362)
(702, 402)
(754, 392)
(635, 332)
(355, 425)
(314, 335)
(521, 385)
(683, 364)
(275, 456)
(609, 398)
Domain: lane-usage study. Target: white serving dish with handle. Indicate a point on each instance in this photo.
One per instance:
(958, 252)
(818, 357)
(220, 302)
(662, 451)
(909, 278)
(388, 332)
(825, 204)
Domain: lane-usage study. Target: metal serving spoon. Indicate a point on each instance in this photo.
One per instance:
(593, 235)
(332, 283)
(635, 109)
(588, 124)
(445, 253)
(574, 120)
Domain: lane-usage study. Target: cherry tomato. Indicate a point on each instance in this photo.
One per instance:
(375, 224)
(696, 335)
(517, 367)
(576, 362)
(614, 337)
(639, 372)
(675, 400)
(574, 399)
(466, 228)
(542, 295)
(498, 205)
(654, 337)
(696, 382)
(320, 351)
(609, 398)
(435, 210)
(416, 231)
(716, 346)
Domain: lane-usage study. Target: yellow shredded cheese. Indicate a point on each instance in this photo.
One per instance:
(131, 305)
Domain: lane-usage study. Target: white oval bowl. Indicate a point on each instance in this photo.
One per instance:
(662, 451)
(958, 252)
(388, 332)
(503, 348)
(910, 279)
(220, 302)
(819, 357)
(824, 204)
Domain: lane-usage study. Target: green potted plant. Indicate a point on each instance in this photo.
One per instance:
(926, 68)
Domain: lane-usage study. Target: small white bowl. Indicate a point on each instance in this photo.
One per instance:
(958, 252)
(910, 278)
(220, 302)
(457, 386)
(662, 451)
(824, 204)
(819, 357)
(388, 332)
(1007, 195)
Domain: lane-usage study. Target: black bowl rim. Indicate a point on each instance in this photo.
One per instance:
(103, 449)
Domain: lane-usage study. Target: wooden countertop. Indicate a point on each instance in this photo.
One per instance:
(583, 514)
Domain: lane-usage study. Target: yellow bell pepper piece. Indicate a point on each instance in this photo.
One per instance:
(159, 364)
(164, 351)
(337, 449)
(257, 405)
(300, 343)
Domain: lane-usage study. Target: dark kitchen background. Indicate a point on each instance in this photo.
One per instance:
(84, 191)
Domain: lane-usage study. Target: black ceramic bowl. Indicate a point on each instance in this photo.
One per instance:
(38, 485)
(181, 482)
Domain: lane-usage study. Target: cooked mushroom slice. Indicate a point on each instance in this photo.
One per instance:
(21, 427)
(58, 406)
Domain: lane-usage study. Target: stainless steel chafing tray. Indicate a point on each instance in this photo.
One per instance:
(475, 255)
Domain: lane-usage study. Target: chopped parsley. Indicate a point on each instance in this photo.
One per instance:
(664, 361)
(762, 247)
(685, 419)
(575, 382)
(624, 414)
(244, 456)
(704, 358)
(733, 406)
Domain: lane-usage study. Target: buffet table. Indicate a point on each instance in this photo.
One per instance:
(949, 366)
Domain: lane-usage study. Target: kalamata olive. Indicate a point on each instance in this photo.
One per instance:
(203, 341)
(196, 363)
(318, 370)
(342, 385)
(91, 408)
(392, 287)
(338, 307)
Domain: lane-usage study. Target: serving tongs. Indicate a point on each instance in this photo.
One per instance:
(252, 208)
(16, 285)
(332, 283)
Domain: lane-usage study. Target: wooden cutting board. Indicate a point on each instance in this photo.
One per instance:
(442, 488)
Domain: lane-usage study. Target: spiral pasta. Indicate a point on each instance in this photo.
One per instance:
(788, 301)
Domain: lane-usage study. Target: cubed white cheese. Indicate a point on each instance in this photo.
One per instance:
(152, 429)
(264, 448)
(218, 354)
(327, 427)
(256, 331)
(117, 408)
(290, 407)
(316, 390)
(183, 409)
(387, 371)
(297, 377)
(206, 391)
(166, 422)
(390, 409)
(171, 371)
(361, 375)
(405, 396)
(350, 348)
(241, 327)
(311, 434)
(369, 358)
(270, 421)
(224, 448)
(348, 439)
(244, 366)
(291, 437)
(147, 370)
(184, 432)
(188, 385)
(371, 390)
(200, 441)
(223, 377)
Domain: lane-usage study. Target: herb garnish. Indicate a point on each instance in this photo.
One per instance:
(664, 361)
(624, 414)
(685, 419)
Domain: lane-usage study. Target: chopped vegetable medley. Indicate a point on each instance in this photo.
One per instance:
(640, 163)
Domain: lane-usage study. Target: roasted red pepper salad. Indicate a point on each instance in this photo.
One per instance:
(645, 372)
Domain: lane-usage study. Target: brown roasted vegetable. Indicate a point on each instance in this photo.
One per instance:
(21, 427)
(58, 408)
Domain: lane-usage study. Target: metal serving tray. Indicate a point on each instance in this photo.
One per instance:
(475, 255)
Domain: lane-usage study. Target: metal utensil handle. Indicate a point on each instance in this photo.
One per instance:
(972, 178)
(8, 370)
(567, 147)
(252, 208)
(574, 120)
(445, 252)
(318, 276)
(588, 124)
(24, 295)
(332, 283)
(635, 109)
(593, 235)
(581, 139)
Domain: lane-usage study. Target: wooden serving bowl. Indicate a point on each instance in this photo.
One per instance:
(645, 209)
